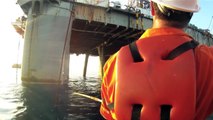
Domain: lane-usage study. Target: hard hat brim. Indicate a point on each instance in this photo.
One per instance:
(172, 5)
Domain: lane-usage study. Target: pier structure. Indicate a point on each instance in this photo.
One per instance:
(54, 29)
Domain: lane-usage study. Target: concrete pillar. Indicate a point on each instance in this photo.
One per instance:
(47, 43)
(102, 58)
(85, 65)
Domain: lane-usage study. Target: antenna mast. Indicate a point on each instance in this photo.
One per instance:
(210, 23)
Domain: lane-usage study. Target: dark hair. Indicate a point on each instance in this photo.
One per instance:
(175, 18)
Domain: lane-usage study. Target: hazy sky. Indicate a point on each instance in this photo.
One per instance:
(9, 11)
(9, 39)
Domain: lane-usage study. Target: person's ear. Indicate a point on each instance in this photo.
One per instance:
(152, 8)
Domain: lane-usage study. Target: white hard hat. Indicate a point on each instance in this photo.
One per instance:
(181, 5)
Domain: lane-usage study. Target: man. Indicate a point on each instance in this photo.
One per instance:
(163, 75)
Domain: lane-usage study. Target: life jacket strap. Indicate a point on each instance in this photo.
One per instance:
(165, 112)
(135, 53)
(164, 115)
(173, 54)
(136, 111)
(181, 49)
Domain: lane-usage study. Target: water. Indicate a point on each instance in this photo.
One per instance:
(20, 101)
(49, 101)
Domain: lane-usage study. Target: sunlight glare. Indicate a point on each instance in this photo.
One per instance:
(9, 40)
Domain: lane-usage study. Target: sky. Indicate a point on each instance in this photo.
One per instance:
(9, 39)
(203, 18)
(10, 11)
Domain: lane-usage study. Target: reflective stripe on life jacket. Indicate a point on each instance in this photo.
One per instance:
(156, 84)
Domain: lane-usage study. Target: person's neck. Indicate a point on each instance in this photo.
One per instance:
(158, 23)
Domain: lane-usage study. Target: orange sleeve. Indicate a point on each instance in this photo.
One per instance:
(211, 48)
(204, 64)
(107, 88)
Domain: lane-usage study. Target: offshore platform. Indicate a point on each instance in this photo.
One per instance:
(53, 29)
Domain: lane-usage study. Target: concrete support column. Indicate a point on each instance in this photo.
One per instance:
(102, 57)
(47, 43)
(85, 65)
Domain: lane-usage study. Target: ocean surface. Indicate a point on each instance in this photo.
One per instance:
(20, 101)
(50, 102)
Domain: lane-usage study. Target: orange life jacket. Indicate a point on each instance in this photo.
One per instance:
(163, 89)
